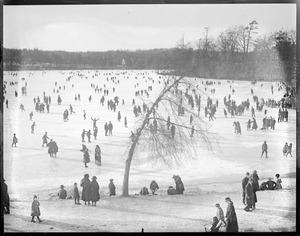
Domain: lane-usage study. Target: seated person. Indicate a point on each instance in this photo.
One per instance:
(153, 187)
(214, 227)
(172, 191)
(62, 194)
(144, 191)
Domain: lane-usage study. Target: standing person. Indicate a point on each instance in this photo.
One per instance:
(95, 133)
(230, 217)
(86, 189)
(119, 116)
(286, 115)
(15, 140)
(50, 148)
(264, 149)
(84, 114)
(112, 188)
(214, 226)
(153, 187)
(44, 138)
(30, 115)
(98, 155)
(289, 150)
(5, 198)
(6, 102)
(95, 196)
(32, 127)
(278, 182)
(179, 184)
(255, 184)
(55, 148)
(220, 215)
(173, 131)
(285, 149)
(248, 124)
(88, 134)
(254, 125)
(106, 128)
(76, 194)
(62, 194)
(125, 122)
(86, 157)
(249, 195)
(244, 183)
(35, 209)
(110, 128)
(83, 135)
(94, 122)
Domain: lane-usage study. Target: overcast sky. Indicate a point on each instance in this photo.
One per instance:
(113, 27)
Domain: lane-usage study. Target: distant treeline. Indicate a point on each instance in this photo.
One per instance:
(266, 58)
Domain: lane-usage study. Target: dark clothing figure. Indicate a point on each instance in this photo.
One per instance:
(179, 184)
(244, 183)
(231, 219)
(173, 131)
(83, 135)
(153, 187)
(214, 226)
(94, 122)
(32, 127)
(249, 193)
(95, 133)
(255, 178)
(35, 210)
(76, 195)
(86, 157)
(15, 141)
(264, 149)
(98, 155)
(5, 198)
(144, 191)
(44, 138)
(88, 134)
(110, 128)
(95, 196)
(106, 128)
(86, 191)
(172, 191)
(112, 188)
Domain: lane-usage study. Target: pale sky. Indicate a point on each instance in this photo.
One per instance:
(113, 27)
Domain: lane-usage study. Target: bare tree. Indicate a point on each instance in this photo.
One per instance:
(169, 141)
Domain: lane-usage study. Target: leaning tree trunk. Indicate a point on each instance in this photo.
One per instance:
(127, 169)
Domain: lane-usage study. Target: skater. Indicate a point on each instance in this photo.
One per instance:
(254, 125)
(95, 196)
(244, 183)
(225, 113)
(106, 128)
(112, 188)
(59, 100)
(76, 194)
(30, 115)
(249, 195)
(71, 110)
(264, 148)
(98, 155)
(255, 178)
(50, 146)
(94, 122)
(83, 135)
(285, 149)
(179, 184)
(95, 133)
(110, 128)
(62, 194)
(44, 138)
(86, 189)
(35, 209)
(55, 148)
(88, 134)
(5, 198)
(153, 187)
(125, 122)
(289, 150)
(32, 127)
(230, 217)
(86, 157)
(278, 182)
(119, 116)
(248, 124)
(15, 141)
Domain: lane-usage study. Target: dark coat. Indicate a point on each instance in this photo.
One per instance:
(249, 194)
(86, 191)
(76, 193)
(179, 185)
(172, 191)
(62, 194)
(154, 185)
(35, 208)
(86, 157)
(231, 219)
(95, 196)
(112, 188)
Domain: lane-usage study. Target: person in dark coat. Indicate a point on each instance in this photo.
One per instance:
(35, 209)
(62, 194)
(244, 183)
(44, 138)
(86, 157)
(249, 195)
(82, 135)
(32, 127)
(112, 188)
(55, 148)
(88, 134)
(214, 226)
(106, 128)
(153, 187)
(110, 128)
(15, 141)
(230, 217)
(86, 189)
(95, 196)
(98, 155)
(95, 133)
(179, 184)
(76, 194)
(264, 149)
(255, 178)
(144, 191)
(5, 198)
(50, 148)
